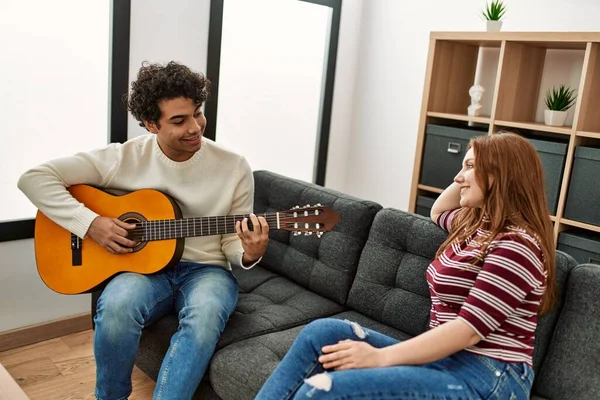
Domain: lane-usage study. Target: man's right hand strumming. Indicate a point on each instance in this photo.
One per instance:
(111, 234)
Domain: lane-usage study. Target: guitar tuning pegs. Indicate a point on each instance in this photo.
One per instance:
(297, 233)
(319, 234)
(318, 205)
(308, 233)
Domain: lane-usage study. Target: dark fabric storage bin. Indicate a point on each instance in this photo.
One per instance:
(424, 204)
(552, 155)
(445, 148)
(583, 197)
(583, 246)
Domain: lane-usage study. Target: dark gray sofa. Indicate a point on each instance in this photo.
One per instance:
(369, 269)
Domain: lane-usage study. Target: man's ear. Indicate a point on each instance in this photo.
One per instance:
(151, 126)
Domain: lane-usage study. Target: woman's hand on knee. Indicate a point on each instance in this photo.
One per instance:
(350, 354)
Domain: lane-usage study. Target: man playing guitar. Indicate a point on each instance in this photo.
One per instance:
(205, 179)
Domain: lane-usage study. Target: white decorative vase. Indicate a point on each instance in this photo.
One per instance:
(555, 118)
(493, 26)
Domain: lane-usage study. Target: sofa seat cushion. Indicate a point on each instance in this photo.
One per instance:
(267, 302)
(238, 371)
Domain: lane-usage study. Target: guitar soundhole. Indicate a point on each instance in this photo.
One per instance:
(135, 234)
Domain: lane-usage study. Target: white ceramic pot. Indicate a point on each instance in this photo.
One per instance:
(555, 118)
(493, 26)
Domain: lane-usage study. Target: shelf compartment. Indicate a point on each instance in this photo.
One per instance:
(456, 67)
(527, 72)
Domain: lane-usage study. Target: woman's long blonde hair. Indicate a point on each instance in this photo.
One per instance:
(515, 196)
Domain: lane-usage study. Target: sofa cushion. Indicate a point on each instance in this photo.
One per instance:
(390, 285)
(307, 260)
(238, 371)
(547, 322)
(267, 302)
(571, 367)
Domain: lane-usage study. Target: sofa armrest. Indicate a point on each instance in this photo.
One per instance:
(570, 370)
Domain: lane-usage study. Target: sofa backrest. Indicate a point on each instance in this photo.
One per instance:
(571, 366)
(327, 265)
(391, 287)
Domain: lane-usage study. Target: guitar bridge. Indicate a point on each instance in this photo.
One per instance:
(76, 245)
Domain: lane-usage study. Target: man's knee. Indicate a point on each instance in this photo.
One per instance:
(206, 321)
(117, 306)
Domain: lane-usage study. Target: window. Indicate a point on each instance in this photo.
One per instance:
(62, 82)
(272, 66)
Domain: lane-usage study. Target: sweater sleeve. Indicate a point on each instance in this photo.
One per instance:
(511, 271)
(242, 203)
(46, 185)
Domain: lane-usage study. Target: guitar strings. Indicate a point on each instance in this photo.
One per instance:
(156, 227)
(162, 224)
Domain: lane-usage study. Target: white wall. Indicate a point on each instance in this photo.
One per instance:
(24, 299)
(163, 31)
(391, 72)
(36, 104)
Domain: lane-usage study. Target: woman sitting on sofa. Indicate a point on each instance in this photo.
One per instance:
(488, 283)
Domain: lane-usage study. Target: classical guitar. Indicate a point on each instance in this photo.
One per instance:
(70, 265)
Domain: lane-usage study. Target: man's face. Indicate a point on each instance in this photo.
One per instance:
(182, 125)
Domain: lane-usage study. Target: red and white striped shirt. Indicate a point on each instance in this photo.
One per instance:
(498, 296)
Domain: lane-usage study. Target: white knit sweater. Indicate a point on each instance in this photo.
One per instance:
(214, 182)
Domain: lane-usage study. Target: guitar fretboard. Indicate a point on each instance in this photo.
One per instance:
(193, 227)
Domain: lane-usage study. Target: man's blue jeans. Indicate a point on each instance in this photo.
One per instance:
(463, 375)
(204, 296)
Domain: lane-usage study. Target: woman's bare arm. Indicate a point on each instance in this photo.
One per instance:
(448, 200)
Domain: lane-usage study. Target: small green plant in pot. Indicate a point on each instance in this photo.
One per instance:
(558, 101)
(493, 14)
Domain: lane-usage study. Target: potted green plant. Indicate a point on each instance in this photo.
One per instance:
(558, 101)
(493, 14)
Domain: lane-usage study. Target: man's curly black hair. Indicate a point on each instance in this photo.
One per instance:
(156, 82)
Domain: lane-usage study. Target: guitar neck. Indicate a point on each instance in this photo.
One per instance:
(194, 227)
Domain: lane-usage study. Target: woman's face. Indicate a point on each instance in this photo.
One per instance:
(471, 194)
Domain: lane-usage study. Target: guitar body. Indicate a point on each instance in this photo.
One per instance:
(55, 255)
